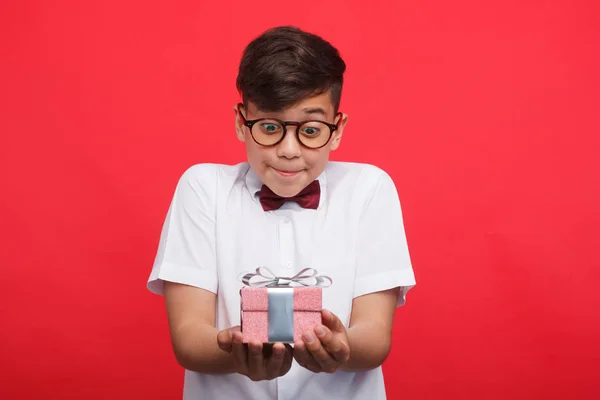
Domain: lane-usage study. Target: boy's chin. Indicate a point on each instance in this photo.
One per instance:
(286, 190)
(287, 187)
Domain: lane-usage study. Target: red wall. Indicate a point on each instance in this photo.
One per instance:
(485, 113)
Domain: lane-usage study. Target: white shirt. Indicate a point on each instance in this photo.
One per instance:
(216, 229)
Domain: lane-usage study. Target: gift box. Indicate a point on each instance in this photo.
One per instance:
(281, 309)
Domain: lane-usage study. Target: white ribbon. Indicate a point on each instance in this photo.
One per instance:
(307, 277)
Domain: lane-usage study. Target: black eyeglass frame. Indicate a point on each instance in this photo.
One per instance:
(285, 124)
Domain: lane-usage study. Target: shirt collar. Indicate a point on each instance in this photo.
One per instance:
(253, 183)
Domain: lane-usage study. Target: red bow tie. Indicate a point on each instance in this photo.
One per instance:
(307, 198)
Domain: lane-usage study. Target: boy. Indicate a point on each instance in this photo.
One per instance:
(287, 208)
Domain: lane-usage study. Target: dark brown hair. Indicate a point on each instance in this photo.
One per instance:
(285, 65)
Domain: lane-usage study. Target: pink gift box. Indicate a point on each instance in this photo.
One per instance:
(263, 305)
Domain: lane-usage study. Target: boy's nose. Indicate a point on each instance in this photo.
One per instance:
(289, 147)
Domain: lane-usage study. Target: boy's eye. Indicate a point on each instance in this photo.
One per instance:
(270, 127)
(311, 130)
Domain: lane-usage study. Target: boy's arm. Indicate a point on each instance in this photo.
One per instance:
(191, 314)
(370, 331)
(200, 347)
(363, 346)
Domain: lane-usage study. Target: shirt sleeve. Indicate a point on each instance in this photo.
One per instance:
(186, 251)
(383, 260)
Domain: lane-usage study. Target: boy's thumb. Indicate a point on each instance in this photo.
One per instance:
(331, 321)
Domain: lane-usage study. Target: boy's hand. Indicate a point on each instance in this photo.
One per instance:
(326, 348)
(254, 360)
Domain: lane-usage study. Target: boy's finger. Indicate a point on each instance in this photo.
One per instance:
(276, 360)
(331, 321)
(324, 335)
(304, 358)
(255, 359)
(337, 348)
(225, 339)
(318, 352)
(239, 352)
(287, 360)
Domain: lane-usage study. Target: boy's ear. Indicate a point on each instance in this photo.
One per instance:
(239, 123)
(337, 135)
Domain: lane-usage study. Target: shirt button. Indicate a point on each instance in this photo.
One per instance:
(286, 220)
(289, 266)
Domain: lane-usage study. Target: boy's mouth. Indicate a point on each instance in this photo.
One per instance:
(286, 173)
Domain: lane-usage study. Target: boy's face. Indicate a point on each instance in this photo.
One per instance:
(288, 167)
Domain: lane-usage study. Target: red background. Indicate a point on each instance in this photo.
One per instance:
(485, 113)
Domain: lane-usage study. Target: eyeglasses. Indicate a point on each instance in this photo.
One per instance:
(313, 134)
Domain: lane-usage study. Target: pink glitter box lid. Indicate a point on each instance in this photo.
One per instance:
(305, 299)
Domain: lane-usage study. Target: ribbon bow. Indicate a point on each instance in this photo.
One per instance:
(307, 277)
(307, 198)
